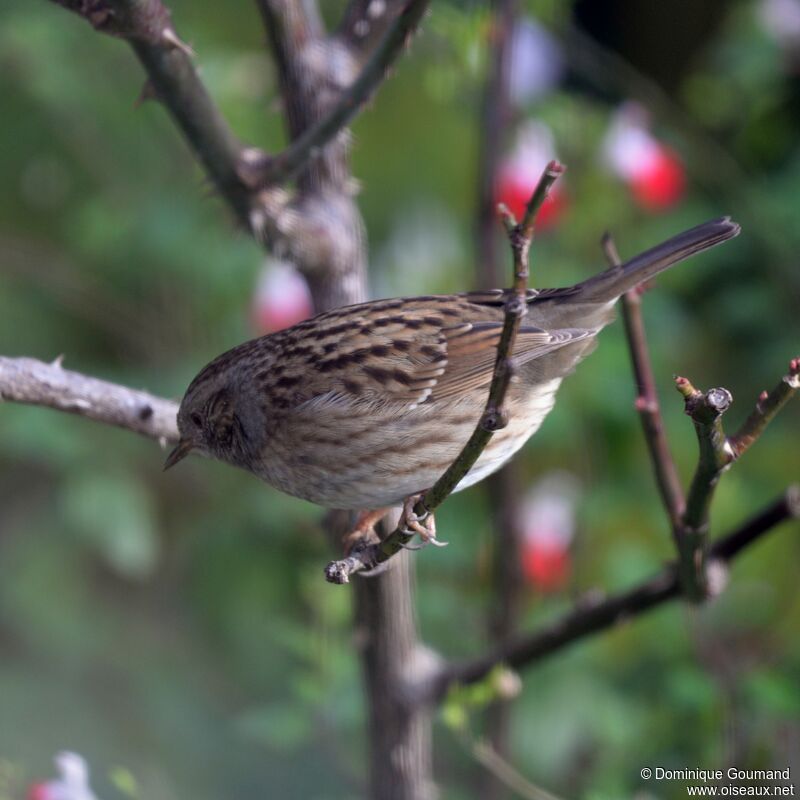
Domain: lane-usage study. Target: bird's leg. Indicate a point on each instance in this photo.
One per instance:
(424, 525)
(363, 532)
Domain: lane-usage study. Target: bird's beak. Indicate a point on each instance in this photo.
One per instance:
(178, 453)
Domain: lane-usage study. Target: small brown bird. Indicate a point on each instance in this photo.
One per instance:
(364, 406)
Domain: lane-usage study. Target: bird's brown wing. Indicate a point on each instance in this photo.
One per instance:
(472, 353)
(406, 351)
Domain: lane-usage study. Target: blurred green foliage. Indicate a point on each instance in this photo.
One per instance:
(175, 629)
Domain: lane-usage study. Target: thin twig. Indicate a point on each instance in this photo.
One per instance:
(269, 170)
(33, 382)
(488, 757)
(647, 404)
(768, 405)
(689, 518)
(596, 615)
(369, 556)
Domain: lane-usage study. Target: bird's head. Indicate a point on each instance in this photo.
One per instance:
(220, 416)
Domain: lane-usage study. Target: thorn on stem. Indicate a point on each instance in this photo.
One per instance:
(148, 92)
(170, 38)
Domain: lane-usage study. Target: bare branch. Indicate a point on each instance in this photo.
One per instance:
(768, 405)
(364, 23)
(147, 26)
(146, 20)
(498, 766)
(647, 404)
(29, 381)
(369, 556)
(706, 410)
(597, 614)
(495, 115)
(174, 81)
(689, 518)
(503, 488)
(269, 170)
(33, 382)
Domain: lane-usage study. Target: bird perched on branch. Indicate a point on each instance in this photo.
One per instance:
(365, 406)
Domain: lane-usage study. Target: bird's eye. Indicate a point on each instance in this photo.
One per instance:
(196, 418)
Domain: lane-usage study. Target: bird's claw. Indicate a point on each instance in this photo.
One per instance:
(423, 525)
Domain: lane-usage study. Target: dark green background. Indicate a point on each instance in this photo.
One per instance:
(177, 626)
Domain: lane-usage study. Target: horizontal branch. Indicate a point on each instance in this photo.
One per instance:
(594, 616)
(33, 382)
(368, 556)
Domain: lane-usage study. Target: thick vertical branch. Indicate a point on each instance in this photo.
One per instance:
(399, 729)
(332, 252)
(399, 740)
(495, 114)
(504, 493)
(351, 96)
(502, 487)
(706, 410)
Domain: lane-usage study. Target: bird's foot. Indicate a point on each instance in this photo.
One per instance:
(363, 532)
(423, 525)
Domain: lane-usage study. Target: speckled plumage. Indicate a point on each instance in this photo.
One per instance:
(363, 406)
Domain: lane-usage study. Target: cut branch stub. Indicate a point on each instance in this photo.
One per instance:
(706, 410)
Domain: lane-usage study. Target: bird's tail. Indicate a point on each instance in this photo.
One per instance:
(609, 285)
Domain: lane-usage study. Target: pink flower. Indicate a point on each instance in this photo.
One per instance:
(654, 172)
(548, 526)
(281, 298)
(520, 171)
(72, 783)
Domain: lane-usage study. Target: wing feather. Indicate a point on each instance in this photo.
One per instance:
(407, 354)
